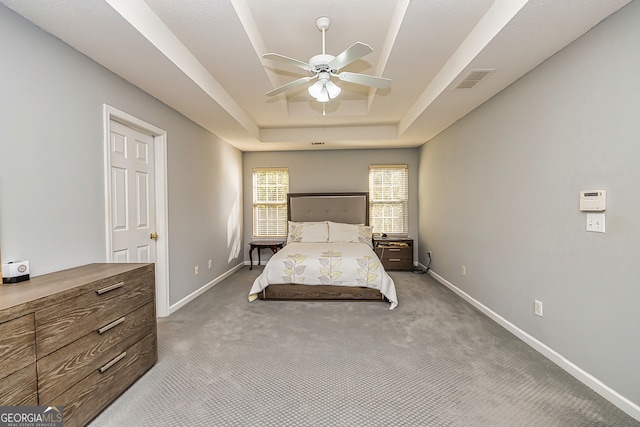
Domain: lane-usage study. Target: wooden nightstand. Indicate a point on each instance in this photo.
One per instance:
(394, 253)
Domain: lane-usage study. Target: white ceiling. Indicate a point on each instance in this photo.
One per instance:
(204, 59)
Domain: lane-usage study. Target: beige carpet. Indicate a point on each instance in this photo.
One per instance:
(434, 361)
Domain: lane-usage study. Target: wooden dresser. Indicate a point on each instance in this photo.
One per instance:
(77, 338)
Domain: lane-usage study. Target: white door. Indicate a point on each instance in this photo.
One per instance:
(133, 219)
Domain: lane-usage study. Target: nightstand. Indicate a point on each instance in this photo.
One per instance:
(274, 245)
(394, 253)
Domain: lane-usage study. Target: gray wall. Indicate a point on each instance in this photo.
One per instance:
(52, 202)
(329, 171)
(499, 194)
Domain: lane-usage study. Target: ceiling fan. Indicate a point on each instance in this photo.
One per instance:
(325, 66)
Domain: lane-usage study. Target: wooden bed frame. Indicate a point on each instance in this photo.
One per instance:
(348, 208)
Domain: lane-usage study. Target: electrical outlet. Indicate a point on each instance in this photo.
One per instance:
(196, 270)
(537, 308)
(463, 270)
(210, 264)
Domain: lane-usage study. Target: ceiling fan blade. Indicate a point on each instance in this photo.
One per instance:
(286, 59)
(364, 79)
(289, 85)
(352, 53)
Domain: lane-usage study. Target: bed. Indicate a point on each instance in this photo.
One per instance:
(328, 255)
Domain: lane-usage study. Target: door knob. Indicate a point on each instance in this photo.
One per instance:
(153, 236)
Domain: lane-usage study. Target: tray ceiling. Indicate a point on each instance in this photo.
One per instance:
(204, 59)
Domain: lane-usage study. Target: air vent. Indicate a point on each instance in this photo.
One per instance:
(317, 143)
(473, 78)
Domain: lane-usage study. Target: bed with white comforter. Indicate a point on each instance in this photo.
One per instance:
(335, 263)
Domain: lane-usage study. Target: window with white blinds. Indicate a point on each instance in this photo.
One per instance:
(270, 188)
(389, 199)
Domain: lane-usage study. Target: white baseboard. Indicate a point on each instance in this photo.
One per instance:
(184, 301)
(589, 380)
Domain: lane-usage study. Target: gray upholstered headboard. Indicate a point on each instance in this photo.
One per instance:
(348, 208)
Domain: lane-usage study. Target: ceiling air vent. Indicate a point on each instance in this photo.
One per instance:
(473, 78)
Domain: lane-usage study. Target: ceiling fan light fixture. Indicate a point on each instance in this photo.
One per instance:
(332, 89)
(324, 89)
(324, 95)
(315, 89)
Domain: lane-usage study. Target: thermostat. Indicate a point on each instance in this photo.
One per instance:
(593, 200)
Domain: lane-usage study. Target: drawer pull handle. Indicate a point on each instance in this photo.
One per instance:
(110, 288)
(110, 325)
(394, 250)
(113, 362)
(394, 259)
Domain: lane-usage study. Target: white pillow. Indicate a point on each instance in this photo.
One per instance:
(339, 232)
(308, 232)
(349, 233)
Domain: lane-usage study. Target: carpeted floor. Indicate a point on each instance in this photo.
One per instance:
(434, 361)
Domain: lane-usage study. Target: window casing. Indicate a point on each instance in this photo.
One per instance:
(389, 199)
(270, 189)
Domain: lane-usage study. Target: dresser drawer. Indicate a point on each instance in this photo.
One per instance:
(20, 388)
(65, 322)
(65, 367)
(89, 397)
(17, 344)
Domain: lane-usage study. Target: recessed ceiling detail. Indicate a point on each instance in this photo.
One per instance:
(205, 60)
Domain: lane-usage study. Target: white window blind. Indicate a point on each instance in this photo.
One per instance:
(389, 199)
(270, 188)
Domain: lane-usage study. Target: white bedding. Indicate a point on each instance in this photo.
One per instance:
(343, 264)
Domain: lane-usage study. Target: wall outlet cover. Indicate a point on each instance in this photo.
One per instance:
(595, 223)
(537, 308)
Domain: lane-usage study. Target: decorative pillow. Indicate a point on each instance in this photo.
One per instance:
(308, 232)
(294, 232)
(365, 234)
(350, 233)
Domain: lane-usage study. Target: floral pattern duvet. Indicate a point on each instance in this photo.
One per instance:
(341, 264)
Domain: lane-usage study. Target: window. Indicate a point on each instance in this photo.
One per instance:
(389, 199)
(270, 188)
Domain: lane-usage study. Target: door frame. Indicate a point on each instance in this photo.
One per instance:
(161, 188)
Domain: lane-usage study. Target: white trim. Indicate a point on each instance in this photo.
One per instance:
(589, 380)
(184, 301)
(162, 246)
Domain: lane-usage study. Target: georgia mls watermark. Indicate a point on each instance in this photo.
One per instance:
(31, 416)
